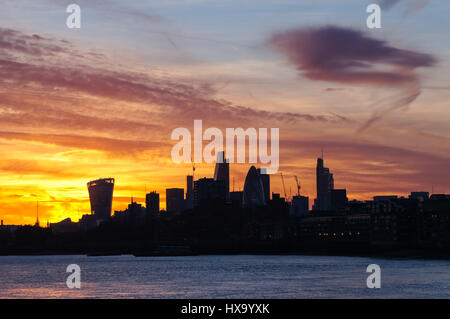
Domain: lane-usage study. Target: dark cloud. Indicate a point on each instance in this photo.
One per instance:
(342, 55)
(346, 56)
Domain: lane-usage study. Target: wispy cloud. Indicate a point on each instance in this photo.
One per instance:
(340, 55)
(36, 90)
(413, 6)
(362, 163)
(107, 145)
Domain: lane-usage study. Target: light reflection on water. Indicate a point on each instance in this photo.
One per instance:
(221, 277)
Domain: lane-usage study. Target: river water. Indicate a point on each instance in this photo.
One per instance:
(237, 276)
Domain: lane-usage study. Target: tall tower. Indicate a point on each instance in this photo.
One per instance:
(101, 196)
(265, 179)
(152, 203)
(174, 200)
(37, 214)
(222, 172)
(189, 191)
(324, 185)
(253, 194)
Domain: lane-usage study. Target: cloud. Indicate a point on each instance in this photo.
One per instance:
(119, 98)
(37, 168)
(417, 6)
(115, 9)
(108, 145)
(334, 89)
(387, 4)
(346, 56)
(369, 166)
(342, 55)
(12, 40)
(413, 6)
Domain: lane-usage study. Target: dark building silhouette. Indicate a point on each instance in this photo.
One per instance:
(253, 189)
(189, 192)
(65, 226)
(209, 189)
(101, 196)
(237, 198)
(435, 222)
(278, 201)
(299, 205)
(88, 222)
(385, 197)
(277, 197)
(222, 172)
(327, 230)
(245, 222)
(440, 196)
(135, 214)
(419, 195)
(324, 183)
(174, 200)
(265, 179)
(394, 220)
(152, 203)
(338, 199)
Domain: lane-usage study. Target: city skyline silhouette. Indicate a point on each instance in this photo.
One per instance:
(102, 100)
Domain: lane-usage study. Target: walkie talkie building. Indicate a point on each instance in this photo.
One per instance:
(101, 196)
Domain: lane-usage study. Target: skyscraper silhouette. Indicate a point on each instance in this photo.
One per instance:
(253, 189)
(324, 184)
(101, 196)
(265, 179)
(174, 200)
(189, 191)
(152, 203)
(222, 172)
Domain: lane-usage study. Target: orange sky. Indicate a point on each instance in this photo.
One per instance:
(102, 102)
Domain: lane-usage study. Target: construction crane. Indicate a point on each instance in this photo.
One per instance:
(298, 185)
(284, 188)
(193, 168)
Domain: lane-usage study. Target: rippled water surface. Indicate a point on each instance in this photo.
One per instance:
(221, 277)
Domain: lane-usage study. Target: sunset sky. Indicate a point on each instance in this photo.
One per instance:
(102, 101)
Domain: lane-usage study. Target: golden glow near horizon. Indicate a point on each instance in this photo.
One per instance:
(103, 100)
(57, 178)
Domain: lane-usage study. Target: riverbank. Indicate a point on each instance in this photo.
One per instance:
(174, 251)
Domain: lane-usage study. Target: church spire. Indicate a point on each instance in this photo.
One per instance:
(37, 214)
